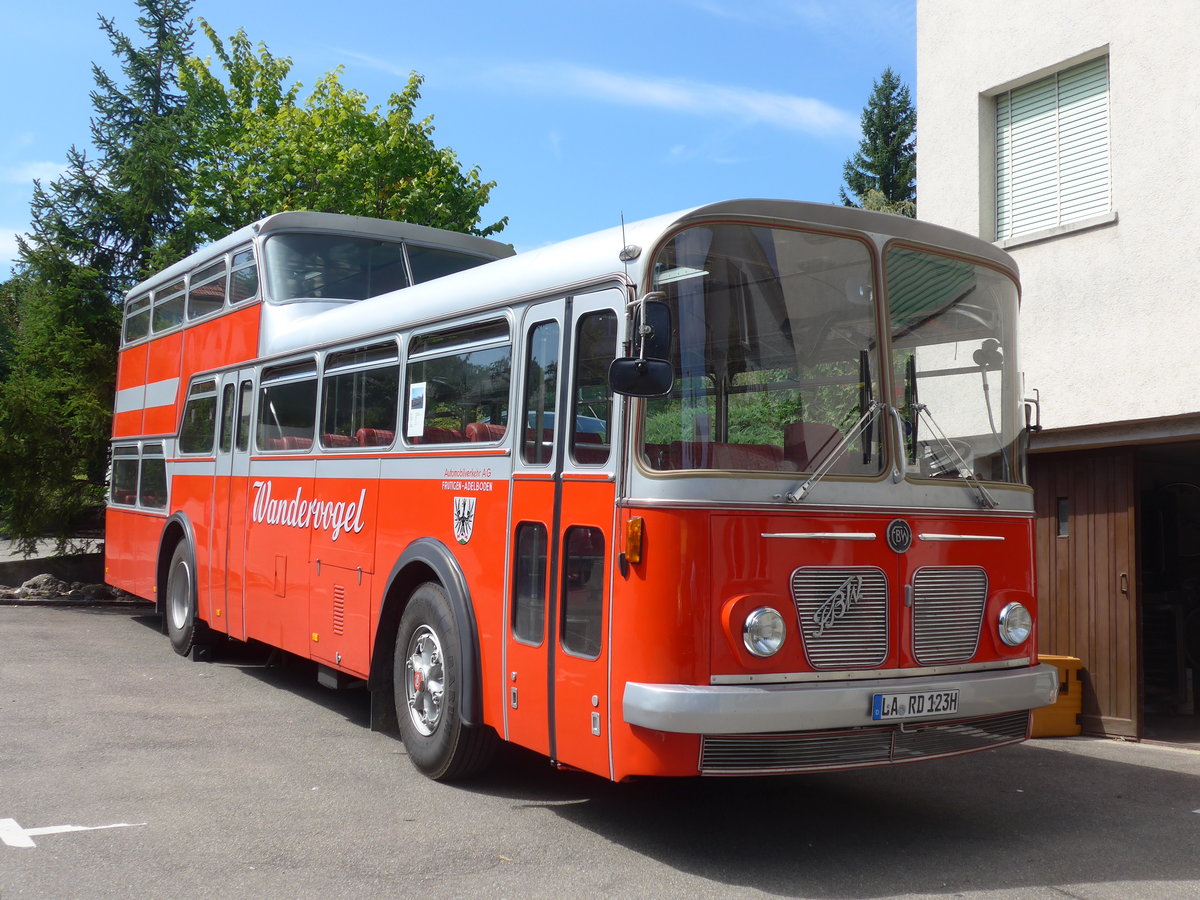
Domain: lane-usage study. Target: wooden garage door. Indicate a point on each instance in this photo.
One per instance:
(1087, 586)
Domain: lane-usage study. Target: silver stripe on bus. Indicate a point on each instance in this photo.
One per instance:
(130, 399)
(960, 537)
(162, 393)
(826, 535)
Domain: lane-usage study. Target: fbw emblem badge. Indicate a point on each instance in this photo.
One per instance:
(899, 535)
(464, 518)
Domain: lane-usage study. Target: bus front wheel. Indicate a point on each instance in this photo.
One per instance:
(427, 672)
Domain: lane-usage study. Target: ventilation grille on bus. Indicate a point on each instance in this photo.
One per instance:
(807, 751)
(843, 616)
(947, 613)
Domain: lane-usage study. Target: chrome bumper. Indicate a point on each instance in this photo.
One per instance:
(815, 706)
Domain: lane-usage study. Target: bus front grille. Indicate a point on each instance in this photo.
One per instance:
(843, 614)
(947, 612)
(808, 751)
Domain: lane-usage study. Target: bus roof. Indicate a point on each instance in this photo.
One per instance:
(335, 222)
(573, 264)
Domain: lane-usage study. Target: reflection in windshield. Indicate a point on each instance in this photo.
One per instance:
(776, 353)
(953, 325)
(777, 359)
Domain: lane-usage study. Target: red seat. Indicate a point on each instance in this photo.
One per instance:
(374, 437)
(483, 432)
(338, 440)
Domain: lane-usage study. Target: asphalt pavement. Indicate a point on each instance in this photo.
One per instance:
(126, 770)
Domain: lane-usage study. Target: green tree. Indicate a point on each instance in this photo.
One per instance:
(97, 229)
(882, 174)
(263, 151)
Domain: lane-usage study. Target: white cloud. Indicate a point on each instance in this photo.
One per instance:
(25, 173)
(681, 95)
(828, 16)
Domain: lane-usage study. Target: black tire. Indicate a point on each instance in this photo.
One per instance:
(179, 604)
(427, 680)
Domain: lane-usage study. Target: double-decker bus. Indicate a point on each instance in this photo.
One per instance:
(736, 490)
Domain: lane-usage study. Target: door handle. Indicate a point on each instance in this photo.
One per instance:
(1125, 583)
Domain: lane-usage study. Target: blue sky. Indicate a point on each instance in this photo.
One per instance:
(581, 112)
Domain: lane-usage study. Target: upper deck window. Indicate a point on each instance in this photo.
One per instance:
(168, 306)
(206, 291)
(137, 318)
(332, 267)
(429, 263)
(243, 276)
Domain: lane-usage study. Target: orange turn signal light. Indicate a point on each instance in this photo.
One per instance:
(634, 530)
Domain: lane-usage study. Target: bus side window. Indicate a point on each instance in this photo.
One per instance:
(243, 277)
(529, 583)
(137, 318)
(152, 488)
(457, 378)
(168, 307)
(591, 413)
(199, 418)
(206, 291)
(541, 393)
(287, 413)
(245, 405)
(227, 413)
(360, 395)
(123, 491)
(582, 591)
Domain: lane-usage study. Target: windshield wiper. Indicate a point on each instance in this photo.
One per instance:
(985, 499)
(834, 455)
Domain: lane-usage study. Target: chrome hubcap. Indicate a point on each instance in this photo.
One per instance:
(424, 684)
(179, 595)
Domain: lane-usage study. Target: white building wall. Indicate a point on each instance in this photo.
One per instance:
(1110, 314)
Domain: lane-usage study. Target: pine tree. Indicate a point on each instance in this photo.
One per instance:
(882, 175)
(95, 231)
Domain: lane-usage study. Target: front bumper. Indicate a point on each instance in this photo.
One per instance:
(811, 706)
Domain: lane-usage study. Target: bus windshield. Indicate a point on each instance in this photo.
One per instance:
(777, 359)
(327, 266)
(776, 355)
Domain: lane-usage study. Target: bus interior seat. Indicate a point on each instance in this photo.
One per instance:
(482, 432)
(808, 444)
(374, 437)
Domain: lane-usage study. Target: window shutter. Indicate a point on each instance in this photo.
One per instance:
(1052, 151)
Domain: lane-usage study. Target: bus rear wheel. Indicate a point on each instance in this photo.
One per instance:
(427, 681)
(179, 610)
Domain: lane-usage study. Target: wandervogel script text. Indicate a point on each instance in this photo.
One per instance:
(335, 517)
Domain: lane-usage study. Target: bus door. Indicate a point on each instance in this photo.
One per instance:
(563, 509)
(227, 573)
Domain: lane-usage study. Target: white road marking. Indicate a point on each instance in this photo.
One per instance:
(14, 835)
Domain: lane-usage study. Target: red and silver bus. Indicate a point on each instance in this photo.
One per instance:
(737, 490)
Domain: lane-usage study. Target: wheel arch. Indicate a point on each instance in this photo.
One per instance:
(178, 528)
(425, 559)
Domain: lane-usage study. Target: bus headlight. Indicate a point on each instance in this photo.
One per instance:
(764, 631)
(1016, 624)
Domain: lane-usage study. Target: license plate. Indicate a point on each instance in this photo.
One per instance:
(914, 704)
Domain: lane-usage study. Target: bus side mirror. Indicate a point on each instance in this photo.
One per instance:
(652, 330)
(636, 377)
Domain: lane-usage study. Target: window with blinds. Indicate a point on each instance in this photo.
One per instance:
(1052, 151)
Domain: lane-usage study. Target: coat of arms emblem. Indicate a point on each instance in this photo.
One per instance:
(464, 518)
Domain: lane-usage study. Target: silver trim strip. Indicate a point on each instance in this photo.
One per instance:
(825, 535)
(960, 537)
(878, 674)
(162, 393)
(130, 399)
(755, 709)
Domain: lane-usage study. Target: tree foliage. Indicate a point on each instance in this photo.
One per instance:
(182, 154)
(882, 174)
(95, 231)
(264, 151)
